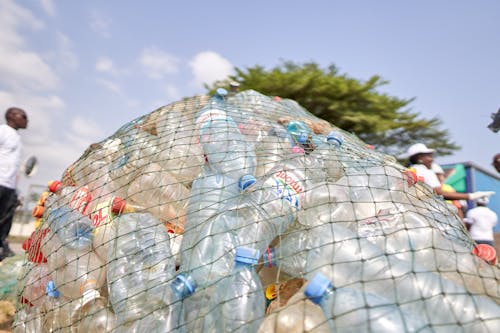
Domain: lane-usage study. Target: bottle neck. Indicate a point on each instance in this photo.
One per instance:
(183, 286)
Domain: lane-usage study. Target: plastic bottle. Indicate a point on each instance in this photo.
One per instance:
(74, 197)
(27, 320)
(102, 214)
(266, 211)
(209, 193)
(56, 310)
(92, 168)
(272, 148)
(413, 237)
(171, 317)
(328, 156)
(350, 310)
(92, 314)
(137, 148)
(139, 266)
(86, 271)
(238, 304)
(161, 194)
(227, 150)
(298, 315)
(347, 260)
(180, 152)
(74, 229)
(32, 280)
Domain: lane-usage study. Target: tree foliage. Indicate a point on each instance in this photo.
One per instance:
(353, 105)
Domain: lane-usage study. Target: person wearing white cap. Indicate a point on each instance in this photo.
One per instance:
(480, 221)
(421, 159)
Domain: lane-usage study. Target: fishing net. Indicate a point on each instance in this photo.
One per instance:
(240, 212)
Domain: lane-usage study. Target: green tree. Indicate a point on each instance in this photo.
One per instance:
(353, 105)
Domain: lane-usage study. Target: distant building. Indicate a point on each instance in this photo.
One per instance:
(470, 177)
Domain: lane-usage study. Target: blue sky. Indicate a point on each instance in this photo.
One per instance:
(81, 69)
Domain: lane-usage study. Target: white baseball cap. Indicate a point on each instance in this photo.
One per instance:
(417, 148)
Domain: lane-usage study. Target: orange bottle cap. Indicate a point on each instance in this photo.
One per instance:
(37, 211)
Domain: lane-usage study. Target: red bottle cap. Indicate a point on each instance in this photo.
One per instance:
(118, 205)
(54, 185)
(486, 252)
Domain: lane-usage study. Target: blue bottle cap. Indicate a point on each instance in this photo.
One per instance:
(247, 255)
(51, 290)
(269, 257)
(246, 181)
(317, 287)
(188, 282)
(302, 138)
(335, 137)
(221, 92)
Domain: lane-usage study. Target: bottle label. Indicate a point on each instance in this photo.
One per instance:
(288, 187)
(102, 214)
(210, 115)
(80, 199)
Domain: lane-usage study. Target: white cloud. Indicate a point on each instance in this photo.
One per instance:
(100, 24)
(158, 64)
(82, 132)
(49, 7)
(12, 17)
(105, 65)
(21, 68)
(208, 67)
(110, 85)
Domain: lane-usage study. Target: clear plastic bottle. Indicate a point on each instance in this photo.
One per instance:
(92, 314)
(238, 304)
(297, 316)
(84, 271)
(227, 150)
(27, 320)
(139, 266)
(75, 197)
(161, 194)
(347, 260)
(413, 237)
(74, 229)
(179, 151)
(137, 148)
(56, 310)
(328, 156)
(350, 310)
(170, 318)
(92, 168)
(209, 193)
(32, 280)
(272, 149)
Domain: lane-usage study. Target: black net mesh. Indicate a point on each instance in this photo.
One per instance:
(241, 212)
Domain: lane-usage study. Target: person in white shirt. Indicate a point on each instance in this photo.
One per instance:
(10, 159)
(481, 220)
(421, 159)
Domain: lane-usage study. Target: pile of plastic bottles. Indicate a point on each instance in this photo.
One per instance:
(190, 218)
